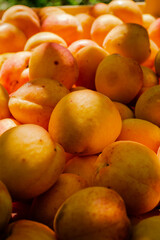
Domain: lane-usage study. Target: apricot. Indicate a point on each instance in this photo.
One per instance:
(127, 11)
(147, 105)
(45, 206)
(88, 59)
(130, 40)
(5, 206)
(146, 229)
(98, 9)
(77, 45)
(141, 131)
(12, 39)
(121, 81)
(35, 100)
(4, 57)
(150, 61)
(12, 70)
(124, 110)
(86, 21)
(51, 60)
(44, 12)
(65, 25)
(7, 123)
(92, 213)
(30, 162)
(157, 63)
(147, 19)
(102, 25)
(24, 18)
(133, 170)
(154, 31)
(28, 229)
(84, 122)
(4, 98)
(150, 79)
(83, 166)
(43, 37)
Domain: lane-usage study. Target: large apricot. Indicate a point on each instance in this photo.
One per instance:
(130, 40)
(30, 162)
(92, 213)
(84, 122)
(133, 170)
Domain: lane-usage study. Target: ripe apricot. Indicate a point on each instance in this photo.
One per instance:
(7, 123)
(88, 58)
(148, 104)
(12, 70)
(12, 39)
(45, 206)
(51, 60)
(102, 25)
(35, 100)
(98, 9)
(133, 170)
(92, 213)
(44, 12)
(65, 25)
(43, 37)
(141, 131)
(84, 122)
(82, 166)
(130, 40)
(121, 81)
(35, 161)
(24, 18)
(4, 98)
(86, 21)
(150, 60)
(77, 45)
(124, 110)
(154, 31)
(127, 11)
(147, 19)
(157, 63)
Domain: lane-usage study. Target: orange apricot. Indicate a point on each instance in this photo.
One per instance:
(98, 9)
(148, 104)
(121, 81)
(24, 18)
(7, 123)
(154, 31)
(86, 21)
(142, 131)
(127, 11)
(88, 58)
(124, 110)
(147, 19)
(43, 37)
(65, 25)
(102, 25)
(130, 40)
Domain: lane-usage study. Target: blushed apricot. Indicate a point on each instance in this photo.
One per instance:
(51, 60)
(7, 123)
(65, 25)
(44, 12)
(154, 31)
(150, 60)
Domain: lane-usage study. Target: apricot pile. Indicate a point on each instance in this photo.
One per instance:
(80, 123)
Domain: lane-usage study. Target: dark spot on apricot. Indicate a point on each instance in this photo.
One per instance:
(55, 149)
(56, 62)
